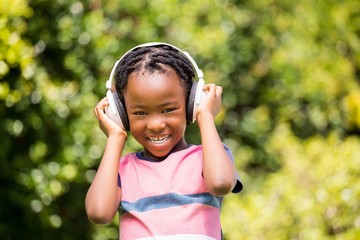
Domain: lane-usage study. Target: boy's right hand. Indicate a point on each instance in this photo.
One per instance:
(108, 126)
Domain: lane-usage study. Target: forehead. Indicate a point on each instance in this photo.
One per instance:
(145, 86)
(168, 73)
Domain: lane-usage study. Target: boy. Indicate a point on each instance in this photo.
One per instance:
(171, 189)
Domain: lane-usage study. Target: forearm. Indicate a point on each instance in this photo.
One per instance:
(103, 195)
(218, 169)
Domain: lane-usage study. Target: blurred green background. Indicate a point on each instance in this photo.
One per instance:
(291, 108)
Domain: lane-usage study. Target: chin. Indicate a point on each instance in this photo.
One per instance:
(161, 155)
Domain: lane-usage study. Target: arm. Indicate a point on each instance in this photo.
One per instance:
(218, 170)
(103, 196)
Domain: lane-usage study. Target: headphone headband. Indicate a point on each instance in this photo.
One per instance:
(110, 83)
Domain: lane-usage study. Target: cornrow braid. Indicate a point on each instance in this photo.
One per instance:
(151, 59)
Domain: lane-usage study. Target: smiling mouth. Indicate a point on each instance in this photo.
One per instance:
(159, 140)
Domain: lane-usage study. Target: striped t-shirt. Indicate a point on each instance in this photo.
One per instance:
(168, 199)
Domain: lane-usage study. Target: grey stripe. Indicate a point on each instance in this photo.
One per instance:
(170, 200)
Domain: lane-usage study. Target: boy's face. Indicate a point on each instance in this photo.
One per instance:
(156, 107)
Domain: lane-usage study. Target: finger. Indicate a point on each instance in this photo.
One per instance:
(100, 107)
(95, 113)
(209, 87)
(219, 90)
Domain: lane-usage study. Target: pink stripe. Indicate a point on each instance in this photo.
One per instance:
(176, 174)
(189, 219)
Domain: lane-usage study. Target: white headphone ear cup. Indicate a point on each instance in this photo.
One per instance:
(196, 97)
(111, 111)
(191, 103)
(122, 112)
(201, 95)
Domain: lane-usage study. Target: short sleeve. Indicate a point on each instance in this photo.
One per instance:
(238, 186)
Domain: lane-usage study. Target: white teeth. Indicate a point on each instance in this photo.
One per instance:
(158, 140)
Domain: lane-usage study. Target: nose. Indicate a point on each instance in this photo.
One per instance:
(156, 124)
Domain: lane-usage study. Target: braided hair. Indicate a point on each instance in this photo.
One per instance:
(152, 59)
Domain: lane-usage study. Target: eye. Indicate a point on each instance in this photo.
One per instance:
(139, 113)
(169, 110)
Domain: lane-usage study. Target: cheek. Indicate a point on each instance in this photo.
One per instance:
(179, 121)
(136, 125)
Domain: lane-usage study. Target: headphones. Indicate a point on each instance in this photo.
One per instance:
(116, 110)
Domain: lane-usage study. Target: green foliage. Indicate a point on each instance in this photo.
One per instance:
(290, 72)
(314, 196)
